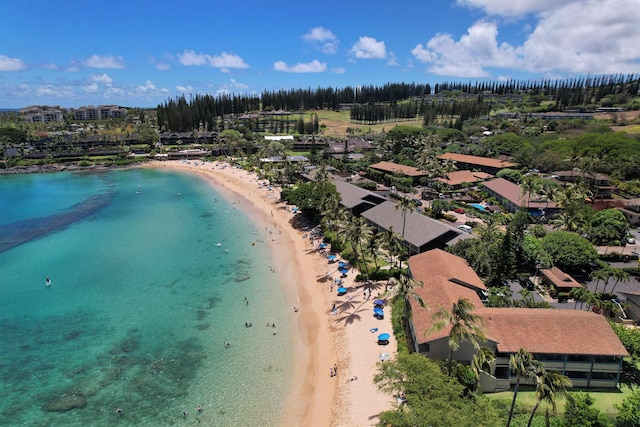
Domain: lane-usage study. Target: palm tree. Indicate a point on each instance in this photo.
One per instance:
(530, 185)
(481, 360)
(358, 232)
(579, 295)
(619, 275)
(550, 386)
(391, 242)
(523, 364)
(405, 205)
(465, 326)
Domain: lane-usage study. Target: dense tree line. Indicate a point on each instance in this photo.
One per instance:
(382, 103)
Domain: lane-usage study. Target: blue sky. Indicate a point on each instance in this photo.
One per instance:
(138, 53)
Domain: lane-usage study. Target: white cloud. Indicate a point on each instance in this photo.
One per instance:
(338, 70)
(314, 66)
(235, 84)
(162, 66)
(369, 48)
(517, 7)
(11, 64)
(109, 61)
(393, 61)
(602, 38)
(101, 78)
(91, 88)
(148, 86)
(184, 89)
(468, 56)
(225, 61)
(570, 36)
(322, 39)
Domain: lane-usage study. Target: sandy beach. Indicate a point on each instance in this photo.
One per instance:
(346, 339)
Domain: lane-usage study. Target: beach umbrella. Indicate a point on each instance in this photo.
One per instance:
(378, 302)
(322, 246)
(342, 264)
(378, 312)
(342, 290)
(343, 270)
(331, 257)
(384, 337)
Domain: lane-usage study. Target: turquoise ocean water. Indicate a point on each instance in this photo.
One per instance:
(149, 274)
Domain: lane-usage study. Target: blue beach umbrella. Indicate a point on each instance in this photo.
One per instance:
(343, 270)
(342, 264)
(342, 290)
(378, 302)
(384, 337)
(378, 312)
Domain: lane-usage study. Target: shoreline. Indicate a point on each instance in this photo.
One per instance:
(320, 340)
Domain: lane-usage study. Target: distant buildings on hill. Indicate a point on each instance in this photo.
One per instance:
(55, 113)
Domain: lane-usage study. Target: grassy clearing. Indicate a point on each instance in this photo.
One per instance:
(337, 123)
(604, 399)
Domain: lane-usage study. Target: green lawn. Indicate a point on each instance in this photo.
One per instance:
(604, 399)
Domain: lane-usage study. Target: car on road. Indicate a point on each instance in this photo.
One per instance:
(459, 210)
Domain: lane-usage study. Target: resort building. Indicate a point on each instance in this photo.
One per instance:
(510, 195)
(421, 232)
(599, 183)
(477, 163)
(458, 179)
(559, 282)
(101, 112)
(42, 114)
(397, 169)
(578, 344)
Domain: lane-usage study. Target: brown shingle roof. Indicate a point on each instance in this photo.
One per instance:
(396, 168)
(538, 330)
(446, 278)
(559, 278)
(458, 177)
(437, 292)
(441, 263)
(511, 192)
(543, 330)
(476, 160)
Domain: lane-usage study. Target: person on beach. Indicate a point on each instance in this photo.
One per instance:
(199, 408)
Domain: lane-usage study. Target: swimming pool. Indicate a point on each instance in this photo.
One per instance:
(478, 206)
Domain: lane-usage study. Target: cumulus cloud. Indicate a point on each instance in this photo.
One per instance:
(101, 78)
(571, 36)
(369, 48)
(468, 56)
(586, 37)
(108, 61)
(322, 39)
(338, 70)
(314, 66)
(11, 64)
(225, 61)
